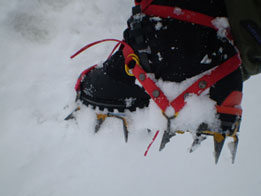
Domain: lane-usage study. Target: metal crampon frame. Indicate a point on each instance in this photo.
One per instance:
(201, 134)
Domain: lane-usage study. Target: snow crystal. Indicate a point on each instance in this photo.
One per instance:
(173, 89)
(139, 16)
(170, 112)
(206, 60)
(129, 102)
(137, 82)
(158, 26)
(222, 24)
(147, 50)
(198, 109)
(155, 18)
(159, 56)
(100, 64)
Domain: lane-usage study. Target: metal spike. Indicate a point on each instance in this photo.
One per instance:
(196, 143)
(100, 119)
(219, 141)
(71, 115)
(233, 148)
(167, 135)
(125, 129)
(198, 138)
(165, 139)
(124, 123)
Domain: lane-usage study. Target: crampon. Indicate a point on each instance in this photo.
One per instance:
(100, 87)
(229, 108)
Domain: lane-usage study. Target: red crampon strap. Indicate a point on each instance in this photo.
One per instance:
(196, 88)
(207, 81)
(144, 4)
(177, 13)
(180, 14)
(227, 107)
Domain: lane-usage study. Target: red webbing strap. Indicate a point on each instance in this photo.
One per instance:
(145, 4)
(209, 79)
(196, 88)
(127, 47)
(229, 110)
(180, 14)
(228, 105)
(149, 85)
(114, 49)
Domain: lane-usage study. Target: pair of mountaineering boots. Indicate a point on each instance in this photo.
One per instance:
(174, 41)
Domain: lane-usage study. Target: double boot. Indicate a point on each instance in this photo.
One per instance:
(173, 48)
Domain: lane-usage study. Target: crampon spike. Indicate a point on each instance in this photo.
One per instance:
(219, 141)
(196, 143)
(71, 115)
(198, 138)
(233, 148)
(102, 117)
(167, 135)
(125, 128)
(165, 139)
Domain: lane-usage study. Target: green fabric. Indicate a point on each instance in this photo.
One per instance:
(250, 49)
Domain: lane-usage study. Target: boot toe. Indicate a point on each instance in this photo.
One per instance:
(99, 89)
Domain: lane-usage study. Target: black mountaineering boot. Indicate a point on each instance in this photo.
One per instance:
(173, 41)
(110, 87)
(172, 49)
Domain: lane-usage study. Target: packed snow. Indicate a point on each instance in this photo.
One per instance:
(222, 24)
(41, 154)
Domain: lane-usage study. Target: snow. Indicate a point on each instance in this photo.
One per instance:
(158, 26)
(41, 154)
(222, 24)
(129, 101)
(206, 60)
(159, 56)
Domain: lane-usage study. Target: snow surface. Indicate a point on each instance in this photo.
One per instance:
(43, 155)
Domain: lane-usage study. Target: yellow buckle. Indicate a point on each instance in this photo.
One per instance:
(136, 59)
